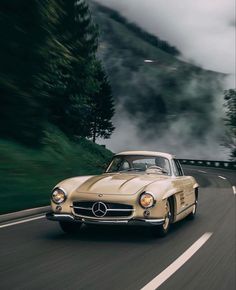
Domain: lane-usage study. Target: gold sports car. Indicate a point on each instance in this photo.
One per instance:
(137, 188)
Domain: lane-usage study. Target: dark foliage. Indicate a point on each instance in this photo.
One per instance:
(230, 120)
(48, 69)
(24, 52)
(102, 107)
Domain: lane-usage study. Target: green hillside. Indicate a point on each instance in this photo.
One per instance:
(53, 89)
(154, 94)
(27, 176)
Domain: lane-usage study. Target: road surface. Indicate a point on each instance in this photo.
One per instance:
(37, 255)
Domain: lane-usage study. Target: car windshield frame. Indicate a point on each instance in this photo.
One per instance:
(132, 158)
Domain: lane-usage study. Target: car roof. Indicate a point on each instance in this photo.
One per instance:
(147, 153)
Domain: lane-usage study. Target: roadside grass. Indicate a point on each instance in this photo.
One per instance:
(27, 176)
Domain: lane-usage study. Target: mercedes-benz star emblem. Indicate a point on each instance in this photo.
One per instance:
(99, 209)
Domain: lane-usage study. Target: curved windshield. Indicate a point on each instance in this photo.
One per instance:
(149, 164)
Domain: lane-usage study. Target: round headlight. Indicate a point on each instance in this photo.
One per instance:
(146, 200)
(58, 195)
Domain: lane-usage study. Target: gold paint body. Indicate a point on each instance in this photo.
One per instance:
(125, 188)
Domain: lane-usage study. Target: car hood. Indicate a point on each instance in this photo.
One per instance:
(118, 183)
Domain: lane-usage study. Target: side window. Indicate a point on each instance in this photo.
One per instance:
(177, 168)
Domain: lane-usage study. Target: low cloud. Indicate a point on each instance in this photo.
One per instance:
(203, 30)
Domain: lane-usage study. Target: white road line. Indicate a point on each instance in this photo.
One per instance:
(21, 222)
(202, 171)
(179, 262)
(222, 177)
(234, 189)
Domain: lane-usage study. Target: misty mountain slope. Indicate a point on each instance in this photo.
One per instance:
(168, 95)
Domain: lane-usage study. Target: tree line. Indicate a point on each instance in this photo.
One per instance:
(230, 121)
(49, 72)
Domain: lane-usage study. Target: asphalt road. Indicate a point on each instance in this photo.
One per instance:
(37, 255)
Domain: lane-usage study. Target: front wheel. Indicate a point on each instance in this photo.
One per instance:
(192, 215)
(162, 230)
(70, 228)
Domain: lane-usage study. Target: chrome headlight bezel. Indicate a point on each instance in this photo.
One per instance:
(149, 194)
(61, 191)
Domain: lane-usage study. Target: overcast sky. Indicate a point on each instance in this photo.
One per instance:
(203, 30)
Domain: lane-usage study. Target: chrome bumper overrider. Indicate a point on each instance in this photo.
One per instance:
(70, 218)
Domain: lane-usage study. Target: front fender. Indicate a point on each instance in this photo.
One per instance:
(171, 192)
(196, 185)
(70, 184)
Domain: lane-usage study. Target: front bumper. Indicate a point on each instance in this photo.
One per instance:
(70, 218)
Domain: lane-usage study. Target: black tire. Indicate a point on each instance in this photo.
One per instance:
(70, 228)
(162, 230)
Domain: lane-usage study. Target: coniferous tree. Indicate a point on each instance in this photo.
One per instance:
(102, 108)
(49, 71)
(27, 44)
(18, 58)
(79, 36)
(230, 120)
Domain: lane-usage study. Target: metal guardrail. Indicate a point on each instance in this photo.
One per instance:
(24, 213)
(209, 163)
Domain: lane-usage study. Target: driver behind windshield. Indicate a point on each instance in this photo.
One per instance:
(138, 163)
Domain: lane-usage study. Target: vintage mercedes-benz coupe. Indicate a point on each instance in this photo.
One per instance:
(137, 188)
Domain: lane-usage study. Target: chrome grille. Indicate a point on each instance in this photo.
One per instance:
(84, 208)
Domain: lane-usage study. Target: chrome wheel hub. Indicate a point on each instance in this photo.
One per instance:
(167, 218)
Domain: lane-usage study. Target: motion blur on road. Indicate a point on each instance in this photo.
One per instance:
(36, 254)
